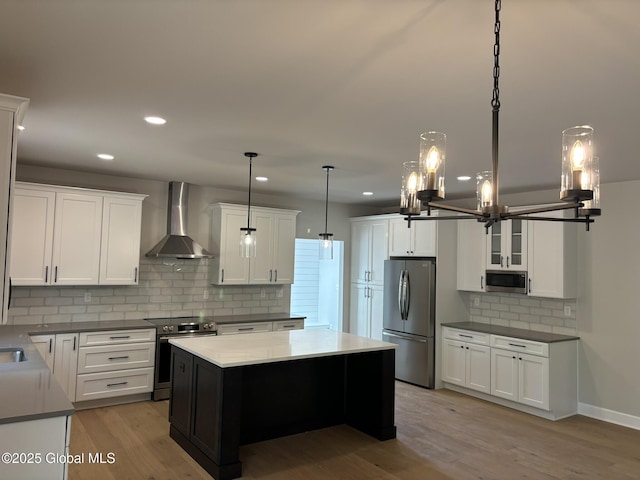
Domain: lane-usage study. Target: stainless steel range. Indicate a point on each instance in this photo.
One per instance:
(167, 328)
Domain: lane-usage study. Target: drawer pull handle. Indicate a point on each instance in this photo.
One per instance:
(245, 329)
(516, 345)
(124, 337)
(116, 384)
(465, 336)
(124, 357)
(288, 326)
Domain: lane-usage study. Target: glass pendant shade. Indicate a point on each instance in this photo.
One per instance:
(484, 189)
(577, 163)
(412, 183)
(433, 146)
(247, 242)
(325, 251)
(592, 207)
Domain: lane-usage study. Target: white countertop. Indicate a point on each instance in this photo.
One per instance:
(255, 348)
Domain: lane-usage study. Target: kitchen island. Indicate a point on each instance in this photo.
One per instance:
(235, 390)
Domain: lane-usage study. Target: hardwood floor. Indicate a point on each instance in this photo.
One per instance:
(441, 435)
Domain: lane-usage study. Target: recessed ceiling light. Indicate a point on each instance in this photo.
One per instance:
(367, 194)
(105, 156)
(155, 120)
(262, 179)
(21, 128)
(464, 178)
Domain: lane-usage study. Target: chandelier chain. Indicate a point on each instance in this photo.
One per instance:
(495, 101)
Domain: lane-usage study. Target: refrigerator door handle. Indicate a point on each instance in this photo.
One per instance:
(405, 337)
(400, 295)
(407, 294)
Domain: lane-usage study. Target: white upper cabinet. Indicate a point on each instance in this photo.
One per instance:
(32, 236)
(553, 257)
(228, 267)
(74, 236)
(419, 240)
(507, 245)
(472, 240)
(76, 239)
(120, 243)
(275, 245)
(369, 250)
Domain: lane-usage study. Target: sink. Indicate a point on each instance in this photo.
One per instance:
(12, 355)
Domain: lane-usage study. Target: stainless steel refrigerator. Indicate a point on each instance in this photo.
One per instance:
(409, 317)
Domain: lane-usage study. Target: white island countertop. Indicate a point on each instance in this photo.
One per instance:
(267, 347)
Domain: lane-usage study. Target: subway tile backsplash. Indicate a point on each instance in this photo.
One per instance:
(520, 311)
(167, 288)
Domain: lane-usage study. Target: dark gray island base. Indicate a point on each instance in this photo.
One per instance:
(215, 410)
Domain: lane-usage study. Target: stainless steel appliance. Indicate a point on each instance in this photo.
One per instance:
(174, 327)
(409, 317)
(506, 281)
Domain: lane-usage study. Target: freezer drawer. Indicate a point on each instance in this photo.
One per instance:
(415, 357)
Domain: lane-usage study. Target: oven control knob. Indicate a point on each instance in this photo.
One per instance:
(171, 328)
(205, 326)
(165, 328)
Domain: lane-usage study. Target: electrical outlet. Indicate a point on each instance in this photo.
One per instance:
(476, 302)
(263, 293)
(567, 310)
(205, 294)
(279, 293)
(87, 297)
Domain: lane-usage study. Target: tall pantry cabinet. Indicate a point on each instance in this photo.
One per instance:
(12, 110)
(369, 250)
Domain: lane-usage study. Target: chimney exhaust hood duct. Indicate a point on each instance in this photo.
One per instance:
(176, 244)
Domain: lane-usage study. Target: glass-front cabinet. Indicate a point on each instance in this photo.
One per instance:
(507, 245)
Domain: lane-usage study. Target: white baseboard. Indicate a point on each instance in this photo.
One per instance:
(610, 416)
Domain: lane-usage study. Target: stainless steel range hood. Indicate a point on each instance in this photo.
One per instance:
(177, 244)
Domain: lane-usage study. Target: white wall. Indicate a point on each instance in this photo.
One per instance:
(608, 314)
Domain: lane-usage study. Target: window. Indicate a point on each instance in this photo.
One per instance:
(317, 291)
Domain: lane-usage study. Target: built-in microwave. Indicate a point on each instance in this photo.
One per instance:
(511, 281)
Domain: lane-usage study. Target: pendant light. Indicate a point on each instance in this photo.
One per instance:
(580, 178)
(248, 234)
(326, 239)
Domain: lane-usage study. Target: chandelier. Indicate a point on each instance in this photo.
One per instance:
(423, 180)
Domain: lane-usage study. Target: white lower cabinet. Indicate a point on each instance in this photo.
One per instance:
(65, 363)
(42, 443)
(255, 327)
(100, 364)
(366, 310)
(115, 363)
(46, 347)
(520, 377)
(466, 359)
(535, 377)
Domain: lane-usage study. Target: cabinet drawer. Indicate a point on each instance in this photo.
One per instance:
(478, 338)
(519, 345)
(297, 324)
(231, 328)
(92, 386)
(106, 358)
(117, 336)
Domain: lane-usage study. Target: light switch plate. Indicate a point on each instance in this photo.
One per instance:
(87, 297)
(567, 310)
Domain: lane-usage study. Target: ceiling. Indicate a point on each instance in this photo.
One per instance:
(307, 83)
